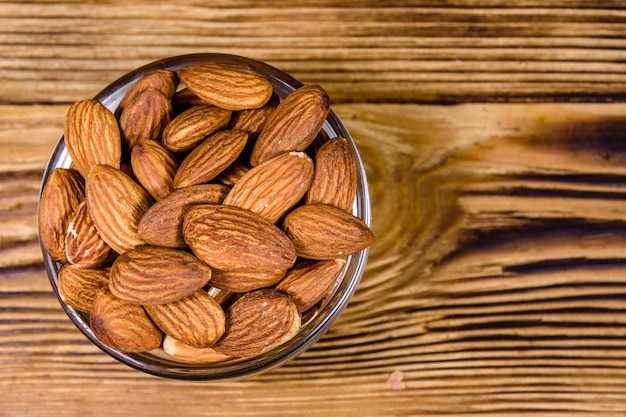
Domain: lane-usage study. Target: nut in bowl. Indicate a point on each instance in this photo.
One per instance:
(204, 217)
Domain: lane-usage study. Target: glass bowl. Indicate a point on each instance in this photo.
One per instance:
(312, 329)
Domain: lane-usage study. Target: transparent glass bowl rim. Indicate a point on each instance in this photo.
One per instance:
(312, 329)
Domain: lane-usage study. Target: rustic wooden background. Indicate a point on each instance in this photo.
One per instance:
(494, 136)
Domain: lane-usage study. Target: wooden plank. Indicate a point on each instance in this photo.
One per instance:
(362, 51)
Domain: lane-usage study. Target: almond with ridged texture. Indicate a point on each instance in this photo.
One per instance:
(309, 281)
(225, 85)
(210, 158)
(60, 197)
(192, 126)
(145, 117)
(83, 245)
(166, 81)
(183, 352)
(320, 231)
(154, 167)
(253, 120)
(78, 286)
(335, 178)
(185, 99)
(155, 275)
(273, 187)
(234, 239)
(258, 321)
(243, 281)
(162, 224)
(92, 136)
(197, 320)
(293, 125)
(116, 204)
(223, 297)
(231, 175)
(123, 326)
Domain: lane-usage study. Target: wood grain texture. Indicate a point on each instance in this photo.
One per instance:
(362, 51)
(496, 285)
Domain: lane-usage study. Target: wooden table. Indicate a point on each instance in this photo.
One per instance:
(493, 134)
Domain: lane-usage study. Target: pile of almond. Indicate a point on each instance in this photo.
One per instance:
(205, 216)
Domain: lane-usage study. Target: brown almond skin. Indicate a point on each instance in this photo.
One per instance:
(78, 286)
(225, 85)
(234, 239)
(183, 352)
(210, 158)
(293, 125)
(253, 120)
(60, 197)
(224, 298)
(258, 321)
(243, 281)
(154, 275)
(166, 81)
(185, 99)
(92, 136)
(116, 204)
(83, 245)
(123, 326)
(320, 231)
(192, 126)
(196, 320)
(154, 167)
(273, 187)
(162, 224)
(335, 178)
(309, 281)
(231, 175)
(145, 117)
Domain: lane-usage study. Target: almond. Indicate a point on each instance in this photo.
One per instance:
(320, 231)
(230, 238)
(165, 81)
(253, 120)
(225, 85)
(273, 187)
(258, 321)
(123, 326)
(335, 178)
(196, 320)
(116, 204)
(92, 136)
(293, 125)
(83, 245)
(192, 126)
(243, 281)
(185, 99)
(154, 167)
(79, 286)
(145, 117)
(309, 281)
(231, 175)
(154, 275)
(210, 158)
(162, 224)
(223, 297)
(60, 197)
(183, 352)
